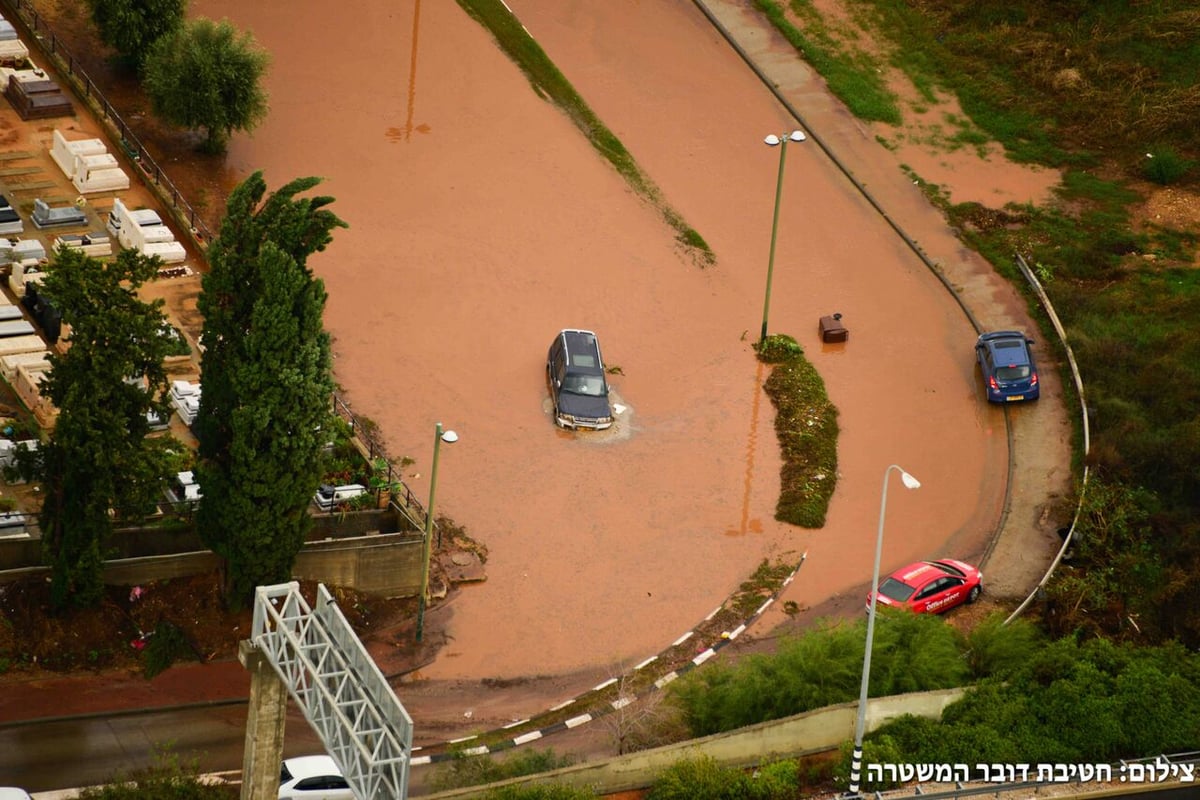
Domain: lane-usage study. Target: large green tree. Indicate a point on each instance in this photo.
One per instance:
(266, 379)
(131, 26)
(99, 464)
(207, 75)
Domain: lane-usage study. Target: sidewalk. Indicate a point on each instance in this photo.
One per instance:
(110, 693)
(48, 696)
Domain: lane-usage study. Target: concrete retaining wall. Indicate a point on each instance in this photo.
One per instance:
(343, 550)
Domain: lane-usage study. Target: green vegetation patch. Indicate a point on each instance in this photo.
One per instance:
(806, 425)
(169, 778)
(549, 83)
(822, 667)
(464, 770)
(851, 74)
(1068, 702)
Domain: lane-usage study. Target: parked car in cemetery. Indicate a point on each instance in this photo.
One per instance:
(329, 497)
(1009, 372)
(12, 526)
(575, 373)
(184, 489)
(930, 587)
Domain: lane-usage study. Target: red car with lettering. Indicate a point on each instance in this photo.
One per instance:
(930, 587)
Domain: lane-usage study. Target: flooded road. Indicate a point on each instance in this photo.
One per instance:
(482, 222)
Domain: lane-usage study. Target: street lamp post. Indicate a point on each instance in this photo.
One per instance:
(449, 437)
(782, 141)
(860, 723)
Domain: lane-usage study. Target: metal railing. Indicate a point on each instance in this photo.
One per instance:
(402, 498)
(1036, 286)
(87, 91)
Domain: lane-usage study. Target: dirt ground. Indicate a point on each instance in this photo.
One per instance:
(450, 282)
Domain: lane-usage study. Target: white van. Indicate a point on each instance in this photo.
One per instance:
(330, 497)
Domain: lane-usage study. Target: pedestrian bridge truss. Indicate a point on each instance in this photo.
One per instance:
(340, 690)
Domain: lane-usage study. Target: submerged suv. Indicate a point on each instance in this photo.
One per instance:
(1009, 373)
(575, 372)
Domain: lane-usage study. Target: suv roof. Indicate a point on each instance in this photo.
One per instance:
(582, 343)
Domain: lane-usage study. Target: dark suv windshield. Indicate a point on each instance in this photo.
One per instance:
(591, 385)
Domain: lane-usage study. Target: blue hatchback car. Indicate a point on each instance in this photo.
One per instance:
(1009, 372)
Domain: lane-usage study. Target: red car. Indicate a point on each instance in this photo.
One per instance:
(930, 587)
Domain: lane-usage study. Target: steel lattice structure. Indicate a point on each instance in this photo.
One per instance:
(339, 688)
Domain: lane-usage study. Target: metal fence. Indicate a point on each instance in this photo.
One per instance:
(402, 497)
(64, 62)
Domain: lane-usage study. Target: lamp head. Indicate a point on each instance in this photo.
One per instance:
(796, 136)
(909, 481)
(449, 437)
(772, 140)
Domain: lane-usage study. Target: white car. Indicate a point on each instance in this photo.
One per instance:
(311, 778)
(11, 793)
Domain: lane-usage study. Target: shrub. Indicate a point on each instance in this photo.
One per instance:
(168, 779)
(466, 770)
(165, 646)
(698, 779)
(996, 649)
(1164, 166)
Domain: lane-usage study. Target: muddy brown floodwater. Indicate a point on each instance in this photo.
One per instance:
(482, 222)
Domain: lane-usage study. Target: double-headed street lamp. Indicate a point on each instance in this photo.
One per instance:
(449, 437)
(860, 723)
(772, 141)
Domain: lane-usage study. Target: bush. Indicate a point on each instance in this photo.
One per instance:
(704, 779)
(780, 779)
(465, 770)
(166, 645)
(1164, 166)
(996, 649)
(168, 779)
(698, 779)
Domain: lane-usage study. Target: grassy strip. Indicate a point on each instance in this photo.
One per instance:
(851, 75)
(549, 83)
(806, 425)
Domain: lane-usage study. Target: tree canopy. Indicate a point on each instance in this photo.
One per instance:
(99, 462)
(265, 408)
(207, 75)
(131, 26)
